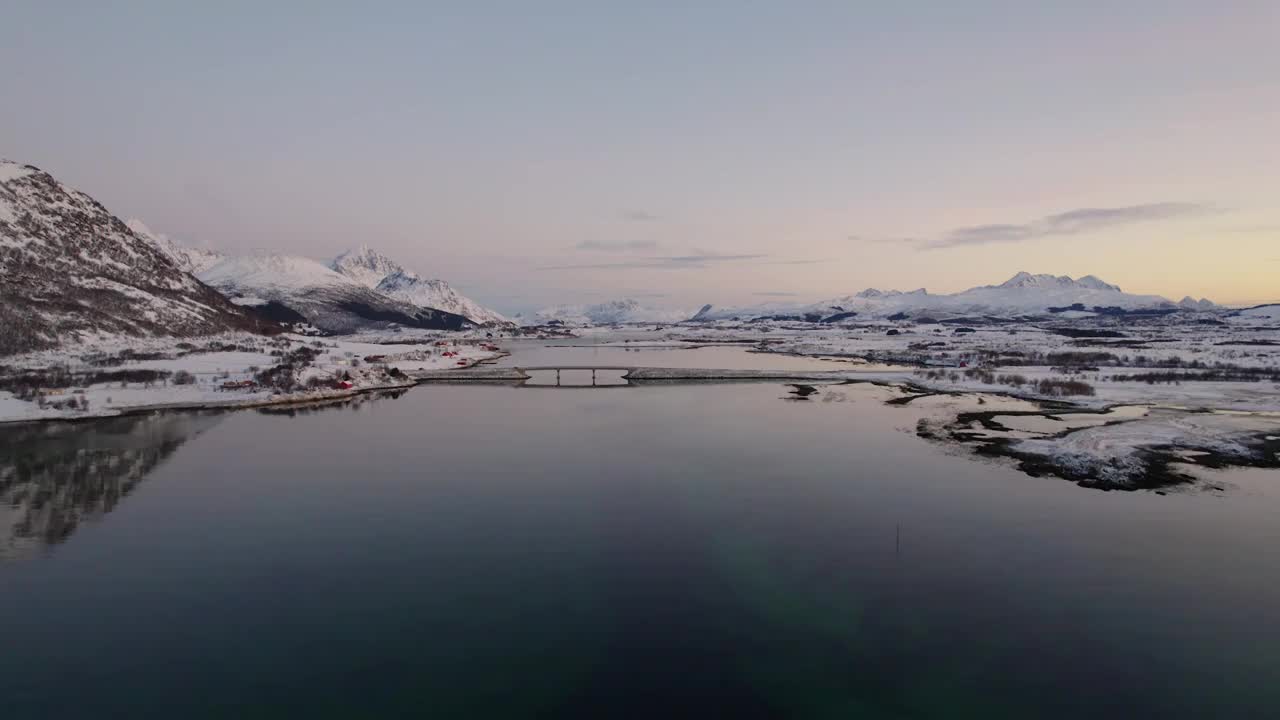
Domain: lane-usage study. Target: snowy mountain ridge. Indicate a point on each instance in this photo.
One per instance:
(271, 271)
(193, 260)
(1044, 280)
(298, 289)
(266, 277)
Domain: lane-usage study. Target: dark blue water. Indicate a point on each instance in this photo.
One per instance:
(637, 552)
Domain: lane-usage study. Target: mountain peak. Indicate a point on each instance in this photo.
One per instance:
(1096, 283)
(1025, 279)
(10, 170)
(366, 265)
(1191, 303)
(379, 272)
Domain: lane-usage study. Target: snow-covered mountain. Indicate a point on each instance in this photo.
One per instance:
(410, 288)
(365, 265)
(71, 268)
(1190, 303)
(1023, 295)
(193, 260)
(296, 289)
(609, 313)
(358, 290)
(1025, 280)
(375, 270)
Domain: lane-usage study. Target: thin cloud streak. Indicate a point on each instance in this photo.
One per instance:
(1071, 222)
(639, 216)
(670, 262)
(617, 245)
(888, 240)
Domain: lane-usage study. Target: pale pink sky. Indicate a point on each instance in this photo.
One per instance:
(726, 152)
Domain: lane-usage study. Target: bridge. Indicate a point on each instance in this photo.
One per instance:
(514, 374)
(630, 374)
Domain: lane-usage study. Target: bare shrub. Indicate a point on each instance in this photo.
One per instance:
(1054, 387)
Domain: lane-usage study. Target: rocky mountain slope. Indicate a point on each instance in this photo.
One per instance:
(70, 268)
(379, 272)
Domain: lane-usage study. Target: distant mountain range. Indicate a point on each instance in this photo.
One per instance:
(73, 270)
(1023, 295)
(607, 313)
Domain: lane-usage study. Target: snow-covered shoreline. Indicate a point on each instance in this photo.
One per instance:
(1204, 394)
(219, 372)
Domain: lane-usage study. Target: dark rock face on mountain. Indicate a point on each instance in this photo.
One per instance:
(69, 268)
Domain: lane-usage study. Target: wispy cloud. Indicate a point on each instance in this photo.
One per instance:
(776, 294)
(1071, 222)
(617, 245)
(666, 262)
(795, 262)
(886, 240)
(639, 216)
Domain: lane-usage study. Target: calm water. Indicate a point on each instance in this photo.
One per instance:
(498, 551)
(532, 353)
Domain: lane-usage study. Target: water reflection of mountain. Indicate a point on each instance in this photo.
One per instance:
(54, 476)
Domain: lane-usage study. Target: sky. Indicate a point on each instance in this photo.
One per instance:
(677, 152)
